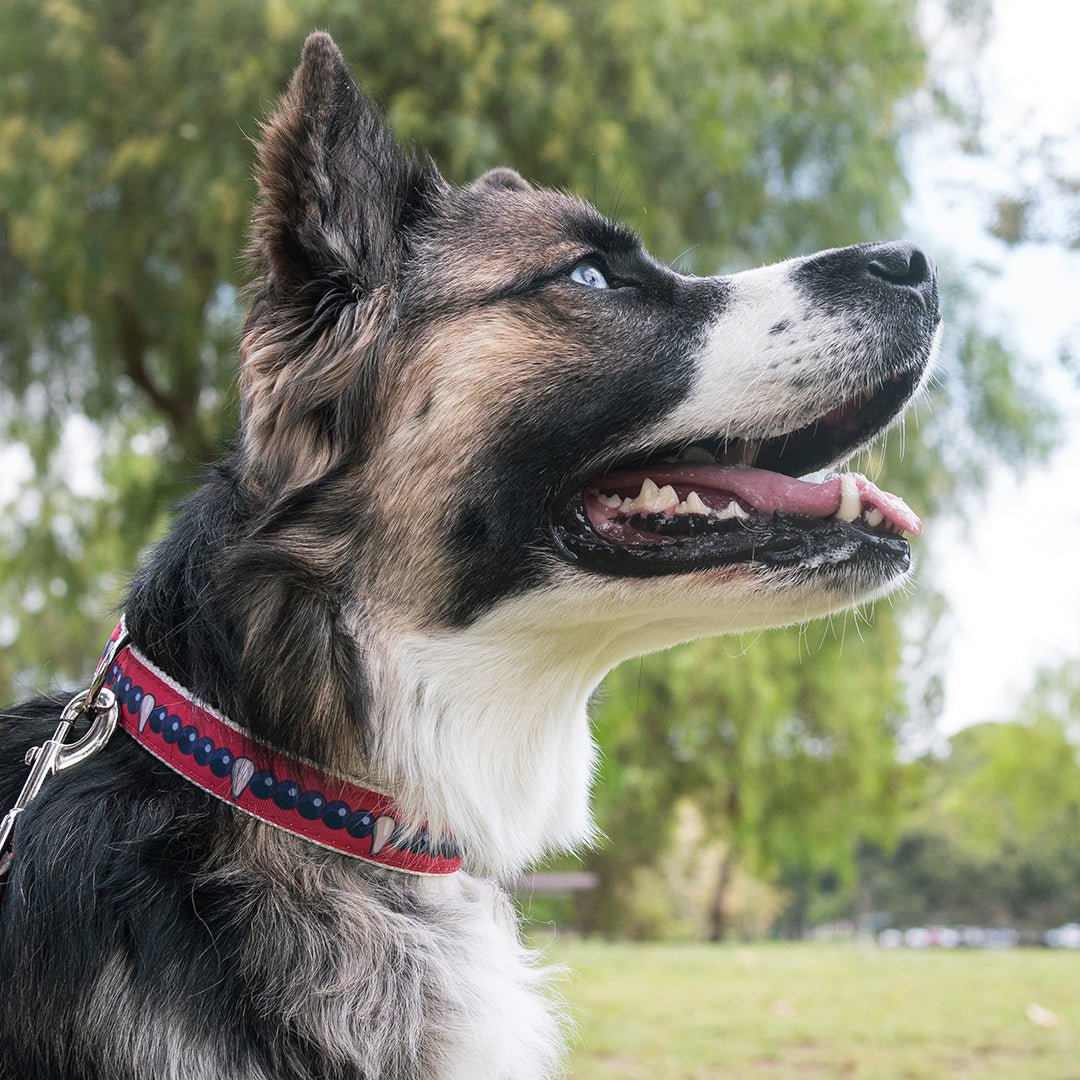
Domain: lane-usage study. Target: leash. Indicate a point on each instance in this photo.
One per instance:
(229, 763)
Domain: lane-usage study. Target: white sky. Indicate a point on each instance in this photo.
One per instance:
(1015, 604)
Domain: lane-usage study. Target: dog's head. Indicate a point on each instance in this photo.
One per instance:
(503, 423)
(524, 400)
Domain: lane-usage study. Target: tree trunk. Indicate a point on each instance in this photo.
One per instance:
(180, 410)
(717, 915)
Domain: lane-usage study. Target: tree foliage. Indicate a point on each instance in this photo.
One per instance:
(787, 745)
(990, 839)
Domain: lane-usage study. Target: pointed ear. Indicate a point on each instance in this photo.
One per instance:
(337, 197)
(335, 189)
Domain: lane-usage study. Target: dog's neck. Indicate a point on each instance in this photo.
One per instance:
(484, 732)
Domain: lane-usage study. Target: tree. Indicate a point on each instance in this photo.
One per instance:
(728, 133)
(788, 749)
(989, 840)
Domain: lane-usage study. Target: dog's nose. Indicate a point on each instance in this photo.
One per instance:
(900, 263)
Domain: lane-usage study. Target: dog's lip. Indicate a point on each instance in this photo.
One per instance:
(836, 435)
(782, 541)
(818, 444)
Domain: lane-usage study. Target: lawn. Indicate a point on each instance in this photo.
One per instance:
(696, 1012)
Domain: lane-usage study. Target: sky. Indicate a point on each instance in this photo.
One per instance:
(1013, 609)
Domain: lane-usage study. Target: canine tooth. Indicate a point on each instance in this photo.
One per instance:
(697, 453)
(666, 498)
(146, 707)
(694, 505)
(750, 451)
(874, 516)
(850, 503)
(384, 827)
(646, 499)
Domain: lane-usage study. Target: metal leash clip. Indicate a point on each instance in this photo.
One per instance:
(56, 755)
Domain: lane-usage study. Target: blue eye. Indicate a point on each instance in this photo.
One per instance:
(587, 273)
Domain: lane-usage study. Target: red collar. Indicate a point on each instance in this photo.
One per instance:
(231, 764)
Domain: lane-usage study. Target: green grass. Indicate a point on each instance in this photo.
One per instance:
(696, 1012)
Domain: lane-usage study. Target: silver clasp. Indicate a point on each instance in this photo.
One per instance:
(56, 755)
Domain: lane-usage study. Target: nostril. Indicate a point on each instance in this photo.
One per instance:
(900, 264)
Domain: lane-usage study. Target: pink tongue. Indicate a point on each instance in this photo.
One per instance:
(768, 492)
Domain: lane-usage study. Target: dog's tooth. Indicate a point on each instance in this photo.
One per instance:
(384, 828)
(694, 505)
(874, 516)
(850, 503)
(146, 707)
(732, 510)
(740, 453)
(626, 506)
(750, 451)
(699, 454)
(612, 502)
(666, 498)
(646, 498)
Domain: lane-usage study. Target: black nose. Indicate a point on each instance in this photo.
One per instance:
(900, 263)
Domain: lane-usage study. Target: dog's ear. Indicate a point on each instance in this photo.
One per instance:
(501, 178)
(335, 189)
(338, 198)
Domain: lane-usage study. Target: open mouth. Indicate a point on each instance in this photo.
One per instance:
(730, 500)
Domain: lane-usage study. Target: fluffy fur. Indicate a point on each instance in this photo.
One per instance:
(374, 579)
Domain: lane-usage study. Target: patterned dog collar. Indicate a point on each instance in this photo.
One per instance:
(229, 763)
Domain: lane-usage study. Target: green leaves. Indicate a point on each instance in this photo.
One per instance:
(989, 838)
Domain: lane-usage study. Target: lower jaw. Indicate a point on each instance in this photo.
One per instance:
(781, 542)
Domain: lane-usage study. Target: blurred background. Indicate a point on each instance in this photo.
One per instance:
(906, 775)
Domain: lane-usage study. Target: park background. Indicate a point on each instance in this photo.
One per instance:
(912, 766)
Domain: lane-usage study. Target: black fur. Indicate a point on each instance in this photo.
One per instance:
(889, 288)
(119, 869)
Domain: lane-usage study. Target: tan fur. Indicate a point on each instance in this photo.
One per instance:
(466, 376)
(282, 391)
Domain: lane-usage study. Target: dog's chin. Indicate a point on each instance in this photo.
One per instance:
(732, 502)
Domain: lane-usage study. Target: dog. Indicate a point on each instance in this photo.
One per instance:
(489, 448)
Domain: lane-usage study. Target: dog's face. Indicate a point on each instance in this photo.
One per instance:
(524, 401)
(509, 449)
